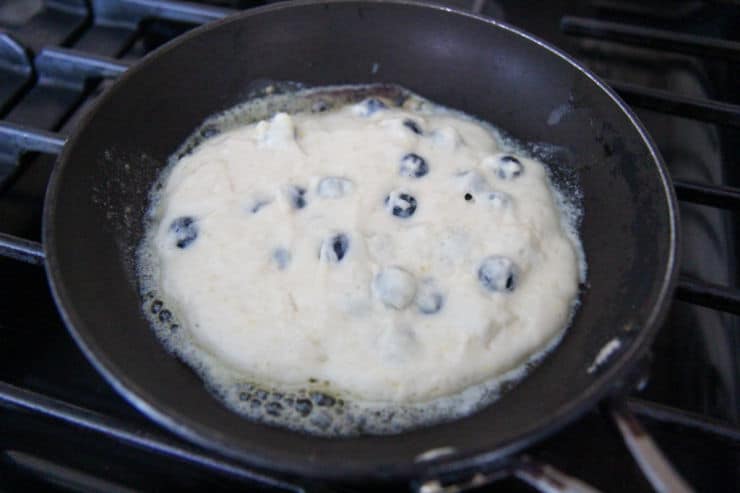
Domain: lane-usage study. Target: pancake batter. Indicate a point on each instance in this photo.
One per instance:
(395, 254)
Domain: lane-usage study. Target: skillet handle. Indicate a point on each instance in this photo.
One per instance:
(654, 465)
(540, 476)
(547, 479)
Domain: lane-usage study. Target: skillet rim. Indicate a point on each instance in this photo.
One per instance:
(605, 384)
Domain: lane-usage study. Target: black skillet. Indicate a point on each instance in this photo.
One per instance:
(98, 193)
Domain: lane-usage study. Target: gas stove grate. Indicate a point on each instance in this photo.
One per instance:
(651, 38)
(35, 61)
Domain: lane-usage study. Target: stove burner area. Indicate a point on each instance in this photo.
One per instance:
(64, 427)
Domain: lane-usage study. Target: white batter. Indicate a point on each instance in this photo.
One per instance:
(397, 255)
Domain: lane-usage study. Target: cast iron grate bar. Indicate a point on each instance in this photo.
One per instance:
(57, 22)
(708, 294)
(13, 54)
(720, 196)
(116, 428)
(31, 252)
(58, 474)
(22, 138)
(661, 10)
(75, 66)
(130, 12)
(16, 71)
(707, 110)
(672, 415)
(657, 39)
(15, 140)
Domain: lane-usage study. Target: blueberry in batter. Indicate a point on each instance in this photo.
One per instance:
(509, 168)
(429, 298)
(185, 231)
(370, 106)
(401, 204)
(334, 248)
(498, 274)
(413, 166)
(281, 256)
(297, 197)
(413, 126)
(395, 287)
(333, 187)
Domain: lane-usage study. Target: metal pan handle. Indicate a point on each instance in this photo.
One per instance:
(547, 479)
(654, 465)
(543, 477)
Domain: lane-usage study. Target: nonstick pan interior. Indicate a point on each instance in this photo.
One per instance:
(98, 194)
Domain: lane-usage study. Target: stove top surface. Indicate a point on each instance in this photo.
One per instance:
(63, 427)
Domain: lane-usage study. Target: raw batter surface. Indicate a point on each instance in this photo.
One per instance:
(395, 254)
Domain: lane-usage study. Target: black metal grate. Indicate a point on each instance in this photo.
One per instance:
(131, 434)
(45, 85)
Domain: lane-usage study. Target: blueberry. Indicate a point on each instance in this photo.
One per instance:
(414, 166)
(498, 200)
(333, 187)
(261, 394)
(370, 106)
(394, 287)
(282, 257)
(497, 273)
(185, 231)
(429, 298)
(209, 131)
(446, 138)
(303, 406)
(243, 396)
(374, 104)
(400, 204)
(509, 168)
(297, 197)
(413, 126)
(334, 248)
